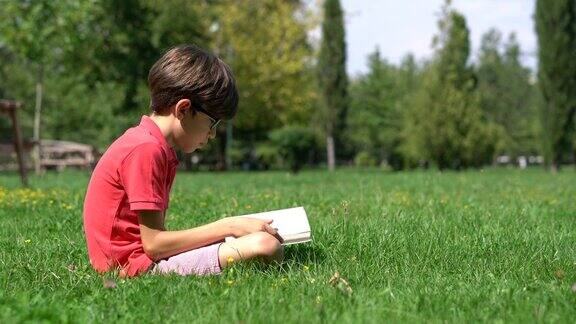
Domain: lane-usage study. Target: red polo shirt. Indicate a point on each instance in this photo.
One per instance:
(135, 173)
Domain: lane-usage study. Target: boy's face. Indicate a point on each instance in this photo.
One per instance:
(193, 129)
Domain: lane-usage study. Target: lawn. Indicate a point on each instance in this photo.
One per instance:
(497, 245)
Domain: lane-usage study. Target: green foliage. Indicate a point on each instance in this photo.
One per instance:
(84, 118)
(365, 159)
(268, 154)
(507, 96)
(36, 30)
(378, 102)
(119, 47)
(266, 44)
(95, 54)
(556, 29)
(445, 125)
(295, 145)
(169, 26)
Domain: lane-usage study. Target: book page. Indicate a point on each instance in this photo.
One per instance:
(287, 221)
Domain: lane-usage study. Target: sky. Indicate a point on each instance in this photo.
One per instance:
(398, 27)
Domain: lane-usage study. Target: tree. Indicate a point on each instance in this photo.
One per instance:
(117, 43)
(294, 144)
(120, 47)
(266, 44)
(377, 102)
(445, 125)
(507, 96)
(332, 77)
(556, 30)
(36, 31)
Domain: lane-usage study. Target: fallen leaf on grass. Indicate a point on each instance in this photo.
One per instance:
(340, 283)
(109, 284)
(71, 268)
(559, 274)
(574, 288)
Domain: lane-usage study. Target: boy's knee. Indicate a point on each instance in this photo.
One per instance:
(266, 244)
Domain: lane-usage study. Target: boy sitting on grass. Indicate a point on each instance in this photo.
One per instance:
(125, 206)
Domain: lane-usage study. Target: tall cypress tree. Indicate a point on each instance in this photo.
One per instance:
(332, 77)
(556, 29)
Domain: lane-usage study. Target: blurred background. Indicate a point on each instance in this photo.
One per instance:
(417, 84)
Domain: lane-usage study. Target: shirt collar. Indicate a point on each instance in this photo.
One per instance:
(149, 125)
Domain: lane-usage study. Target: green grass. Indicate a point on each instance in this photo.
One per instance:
(498, 245)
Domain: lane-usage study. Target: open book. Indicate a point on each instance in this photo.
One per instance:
(292, 224)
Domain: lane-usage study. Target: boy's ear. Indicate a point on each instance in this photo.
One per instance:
(182, 107)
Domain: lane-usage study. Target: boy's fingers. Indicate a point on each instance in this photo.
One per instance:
(279, 238)
(270, 230)
(269, 221)
(274, 232)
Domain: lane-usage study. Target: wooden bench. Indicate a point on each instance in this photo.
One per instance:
(62, 154)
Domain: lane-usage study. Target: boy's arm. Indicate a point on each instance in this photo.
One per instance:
(159, 243)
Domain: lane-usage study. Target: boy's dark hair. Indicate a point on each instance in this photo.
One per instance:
(189, 72)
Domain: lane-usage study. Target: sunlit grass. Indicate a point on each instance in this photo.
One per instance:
(493, 245)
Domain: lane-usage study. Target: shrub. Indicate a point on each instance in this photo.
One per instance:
(364, 159)
(295, 145)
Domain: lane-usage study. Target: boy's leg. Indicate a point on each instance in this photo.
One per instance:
(250, 246)
(201, 261)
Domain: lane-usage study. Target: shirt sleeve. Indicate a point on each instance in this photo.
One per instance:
(143, 175)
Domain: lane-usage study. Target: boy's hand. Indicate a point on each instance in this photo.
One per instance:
(240, 226)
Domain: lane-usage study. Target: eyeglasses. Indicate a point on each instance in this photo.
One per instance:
(214, 121)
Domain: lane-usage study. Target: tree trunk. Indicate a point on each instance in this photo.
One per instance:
(555, 163)
(330, 152)
(221, 151)
(37, 115)
(229, 128)
(18, 146)
(188, 161)
(554, 167)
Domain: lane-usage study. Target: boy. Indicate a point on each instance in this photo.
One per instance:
(125, 206)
